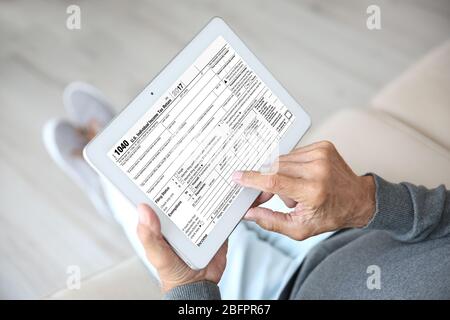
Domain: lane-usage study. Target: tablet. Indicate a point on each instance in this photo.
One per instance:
(212, 110)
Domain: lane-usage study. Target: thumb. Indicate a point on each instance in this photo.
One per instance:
(149, 227)
(157, 249)
(271, 220)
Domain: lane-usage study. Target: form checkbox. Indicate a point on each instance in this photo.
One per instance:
(288, 115)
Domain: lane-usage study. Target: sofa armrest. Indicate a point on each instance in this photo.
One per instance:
(420, 97)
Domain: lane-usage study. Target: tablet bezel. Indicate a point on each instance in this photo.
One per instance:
(96, 151)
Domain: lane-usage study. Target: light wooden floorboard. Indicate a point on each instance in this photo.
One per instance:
(320, 50)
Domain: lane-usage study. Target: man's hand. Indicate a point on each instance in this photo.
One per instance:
(171, 269)
(314, 180)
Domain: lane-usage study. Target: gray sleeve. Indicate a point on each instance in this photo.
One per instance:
(202, 290)
(411, 213)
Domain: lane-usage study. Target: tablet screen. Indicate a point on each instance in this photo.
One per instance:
(218, 117)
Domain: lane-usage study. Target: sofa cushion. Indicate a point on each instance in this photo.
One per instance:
(372, 141)
(126, 280)
(421, 96)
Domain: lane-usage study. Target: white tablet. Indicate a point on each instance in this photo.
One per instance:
(214, 109)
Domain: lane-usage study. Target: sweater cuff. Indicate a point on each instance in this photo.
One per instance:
(394, 211)
(202, 290)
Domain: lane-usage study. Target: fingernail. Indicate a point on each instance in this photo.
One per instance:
(143, 217)
(237, 176)
(249, 215)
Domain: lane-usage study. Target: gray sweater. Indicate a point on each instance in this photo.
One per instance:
(403, 253)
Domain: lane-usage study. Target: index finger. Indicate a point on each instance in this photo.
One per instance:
(273, 183)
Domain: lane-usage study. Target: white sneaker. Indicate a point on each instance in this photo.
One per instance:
(64, 144)
(85, 103)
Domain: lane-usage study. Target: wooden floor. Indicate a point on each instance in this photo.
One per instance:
(321, 51)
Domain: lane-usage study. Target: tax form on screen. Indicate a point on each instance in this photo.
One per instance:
(217, 118)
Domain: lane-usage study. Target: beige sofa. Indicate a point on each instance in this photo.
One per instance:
(403, 136)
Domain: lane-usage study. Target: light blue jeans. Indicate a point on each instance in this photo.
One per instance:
(259, 263)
